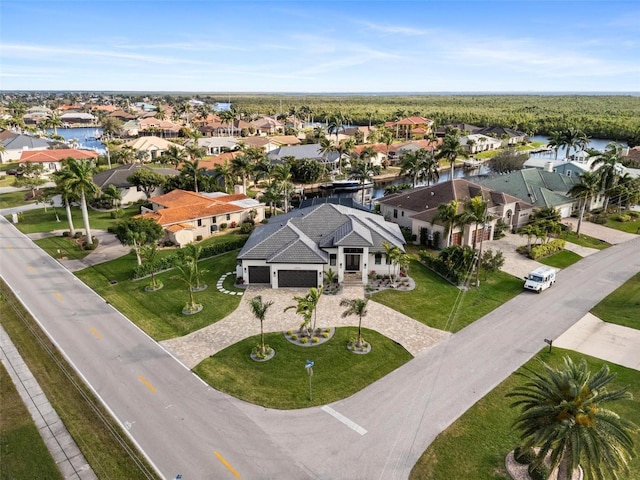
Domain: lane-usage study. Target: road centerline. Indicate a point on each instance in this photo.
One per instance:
(341, 418)
(58, 296)
(226, 464)
(147, 384)
(95, 333)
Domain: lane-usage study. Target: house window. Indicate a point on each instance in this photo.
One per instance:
(213, 220)
(228, 216)
(402, 213)
(387, 260)
(378, 259)
(199, 222)
(333, 259)
(395, 213)
(568, 173)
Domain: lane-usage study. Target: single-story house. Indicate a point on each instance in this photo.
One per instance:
(51, 160)
(16, 143)
(397, 150)
(78, 118)
(121, 115)
(216, 145)
(267, 126)
(118, 177)
(185, 215)
(508, 135)
(475, 143)
(153, 146)
(541, 188)
(310, 150)
(296, 248)
(463, 128)
(417, 209)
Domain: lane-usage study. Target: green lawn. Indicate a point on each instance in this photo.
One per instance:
(12, 199)
(584, 240)
(474, 447)
(6, 180)
(33, 221)
(432, 301)
(632, 226)
(24, 454)
(622, 306)
(62, 247)
(160, 313)
(282, 382)
(561, 259)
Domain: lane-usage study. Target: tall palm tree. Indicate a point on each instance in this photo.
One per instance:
(259, 310)
(191, 168)
(420, 165)
(608, 171)
(356, 306)
(67, 193)
(363, 172)
(225, 172)
(584, 191)
(476, 211)
(174, 155)
(327, 147)
(282, 175)
(563, 412)
(446, 214)
(79, 177)
(241, 166)
(450, 150)
(555, 141)
(573, 138)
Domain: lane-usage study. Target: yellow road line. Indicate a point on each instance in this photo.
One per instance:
(147, 384)
(95, 332)
(30, 268)
(58, 296)
(226, 464)
(9, 247)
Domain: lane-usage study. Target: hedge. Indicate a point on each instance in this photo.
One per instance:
(546, 249)
(454, 276)
(173, 260)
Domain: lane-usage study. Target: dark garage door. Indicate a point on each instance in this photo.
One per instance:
(259, 275)
(297, 278)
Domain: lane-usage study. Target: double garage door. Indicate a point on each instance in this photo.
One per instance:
(286, 278)
(297, 278)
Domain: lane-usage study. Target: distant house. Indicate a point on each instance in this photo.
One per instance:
(15, 144)
(153, 126)
(417, 209)
(564, 167)
(462, 128)
(185, 215)
(507, 135)
(312, 151)
(397, 150)
(216, 145)
(541, 188)
(121, 115)
(51, 160)
(296, 248)
(118, 177)
(476, 143)
(411, 127)
(268, 126)
(152, 146)
(78, 118)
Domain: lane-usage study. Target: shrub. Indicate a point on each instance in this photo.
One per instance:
(198, 238)
(633, 214)
(406, 233)
(168, 243)
(538, 472)
(90, 246)
(294, 337)
(524, 456)
(623, 218)
(66, 233)
(325, 335)
(233, 224)
(436, 239)
(223, 227)
(289, 332)
(77, 235)
(247, 227)
(304, 340)
(315, 340)
(546, 249)
(599, 219)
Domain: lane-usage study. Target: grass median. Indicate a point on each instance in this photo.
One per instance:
(99, 437)
(439, 304)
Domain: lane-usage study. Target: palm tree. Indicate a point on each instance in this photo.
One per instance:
(150, 254)
(63, 187)
(192, 169)
(194, 252)
(114, 194)
(476, 211)
(608, 172)
(241, 166)
(303, 308)
(563, 413)
(226, 173)
(394, 258)
(555, 141)
(420, 165)
(313, 298)
(327, 147)
(282, 175)
(188, 277)
(259, 310)
(174, 155)
(573, 138)
(363, 172)
(584, 191)
(446, 214)
(357, 306)
(450, 150)
(79, 177)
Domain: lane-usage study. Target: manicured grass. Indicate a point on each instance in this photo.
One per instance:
(160, 313)
(282, 382)
(67, 247)
(6, 180)
(23, 452)
(561, 259)
(622, 306)
(103, 443)
(12, 199)
(433, 300)
(632, 226)
(584, 240)
(475, 446)
(33, 221)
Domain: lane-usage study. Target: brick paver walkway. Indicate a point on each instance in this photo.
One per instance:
(195, 347)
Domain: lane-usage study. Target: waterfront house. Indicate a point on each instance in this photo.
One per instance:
(151, 147)
(296, 248)
(52, 160)
(15, 144)
(118, 177)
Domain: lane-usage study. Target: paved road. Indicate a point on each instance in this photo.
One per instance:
(186, 427)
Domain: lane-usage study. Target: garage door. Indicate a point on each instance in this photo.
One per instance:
(259, 275)
(297, 278)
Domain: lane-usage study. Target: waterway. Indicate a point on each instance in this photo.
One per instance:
(85, 137)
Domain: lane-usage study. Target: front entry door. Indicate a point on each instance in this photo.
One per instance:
(352, 262)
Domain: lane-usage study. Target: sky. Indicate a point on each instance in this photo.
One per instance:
(320, 46)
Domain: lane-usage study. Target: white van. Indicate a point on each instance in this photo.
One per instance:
(540, 279)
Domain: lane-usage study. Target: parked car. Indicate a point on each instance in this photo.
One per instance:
(12, 171)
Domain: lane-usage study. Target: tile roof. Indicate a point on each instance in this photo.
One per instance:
(152, 142)
(311, 150)
(19, 142)
(44, 156)
(300, 235)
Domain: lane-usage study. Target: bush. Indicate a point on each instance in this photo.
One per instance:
(247, 227)
(223, 227)
(599, 219)
(198, 238)
(524, 456)
(90, 246)
(437, 235)
(168, 243)
(304, 340)
(546, 249)
(66, 233)
(77, 235)
(294, 337)
(325, 335)
(406, 233)
(500, 229)
(315, 340)
(233, 225)
(538, 472)
(633, 214)
(623, 218)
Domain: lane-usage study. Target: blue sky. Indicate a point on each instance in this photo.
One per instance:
(320, 46)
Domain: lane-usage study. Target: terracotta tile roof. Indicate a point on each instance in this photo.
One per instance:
(179, 226)
(634, 153)
(56, 155)
(377, 147)
(415, 121)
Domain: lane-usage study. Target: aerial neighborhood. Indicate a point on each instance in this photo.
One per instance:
(254, 240)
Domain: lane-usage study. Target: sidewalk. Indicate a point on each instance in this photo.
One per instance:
(63, 448)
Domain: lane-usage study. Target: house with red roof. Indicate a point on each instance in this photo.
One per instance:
(190, 216)
(411, 127)
(52, 160)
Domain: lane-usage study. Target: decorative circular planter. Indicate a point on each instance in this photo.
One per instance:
(201, 288)
(270, 354)
(188, 311)
(310, 343)
(360, 351)
(150, 288)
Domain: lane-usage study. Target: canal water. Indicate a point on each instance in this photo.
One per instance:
(84, 136)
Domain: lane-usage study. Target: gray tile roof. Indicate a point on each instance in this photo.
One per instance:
(311, 150)
(20, 142)
(300, 235)
(118, 176)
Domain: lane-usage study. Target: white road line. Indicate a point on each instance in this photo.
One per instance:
(352, 425)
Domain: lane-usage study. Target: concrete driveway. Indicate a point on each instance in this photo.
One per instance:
(514, 263)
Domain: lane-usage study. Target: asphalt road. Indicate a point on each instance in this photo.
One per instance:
(187, 428)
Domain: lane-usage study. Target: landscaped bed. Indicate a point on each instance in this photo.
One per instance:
(283, 383)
